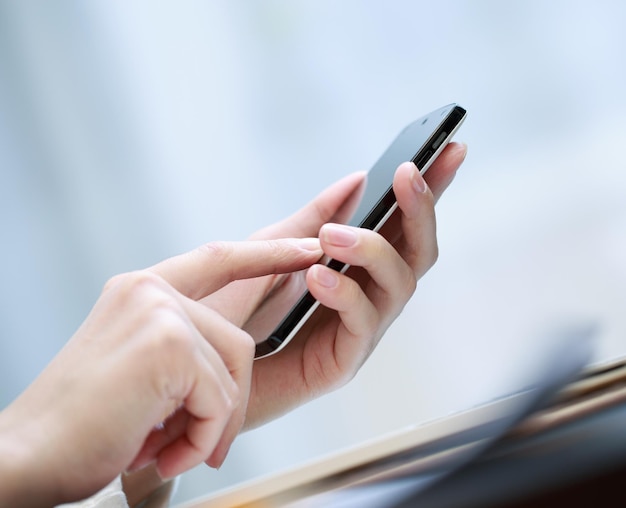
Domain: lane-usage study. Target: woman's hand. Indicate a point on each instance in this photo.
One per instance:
(150, 376)
(359, 306)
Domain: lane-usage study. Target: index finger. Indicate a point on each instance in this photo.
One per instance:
(206, 269)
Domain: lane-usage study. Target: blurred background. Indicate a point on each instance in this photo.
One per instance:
(133, 131)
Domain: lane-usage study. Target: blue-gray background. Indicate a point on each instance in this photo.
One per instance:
(132, 131)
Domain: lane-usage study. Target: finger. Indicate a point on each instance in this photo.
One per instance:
(393, 278)
(207, 398)
(236, 349)
(209, 412)
(202, 271)
(161, 436)
(335, 204)
(415, 238)
(443, 170)
(359, 316)
(193, 379)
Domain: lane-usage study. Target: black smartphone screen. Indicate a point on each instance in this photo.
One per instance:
(420, 142)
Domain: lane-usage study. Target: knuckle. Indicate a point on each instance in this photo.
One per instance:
(243, 344)
(218, 254)
(144, 279)
(274, 253)
(170, 352)
(435, 254)
(132, 283)
(234, 398)
(114, 282)
(323, 376)
(373, 246)
(160, 314)
(173, 330)
(430, 258)
(410, 276)
(381, 248)
(226, 399)
(217, 251)
(410, 285)
(237, 354)
(372, 329)
(278, 248)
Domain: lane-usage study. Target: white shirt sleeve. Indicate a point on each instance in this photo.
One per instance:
(111, 496)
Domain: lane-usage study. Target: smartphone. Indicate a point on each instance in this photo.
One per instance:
(421, 142)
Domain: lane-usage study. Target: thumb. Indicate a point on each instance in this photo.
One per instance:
(206, 269)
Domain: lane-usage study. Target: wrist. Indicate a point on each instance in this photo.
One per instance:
(13, 463)
(21, 481)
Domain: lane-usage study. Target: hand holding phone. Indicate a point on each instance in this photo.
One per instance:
(420, 142)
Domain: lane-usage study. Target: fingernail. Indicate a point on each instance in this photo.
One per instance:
(136, 466)
(337, 235)
(462, 147)
(215, 462)
(163, 477)
(418, 181)
(325, 276)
